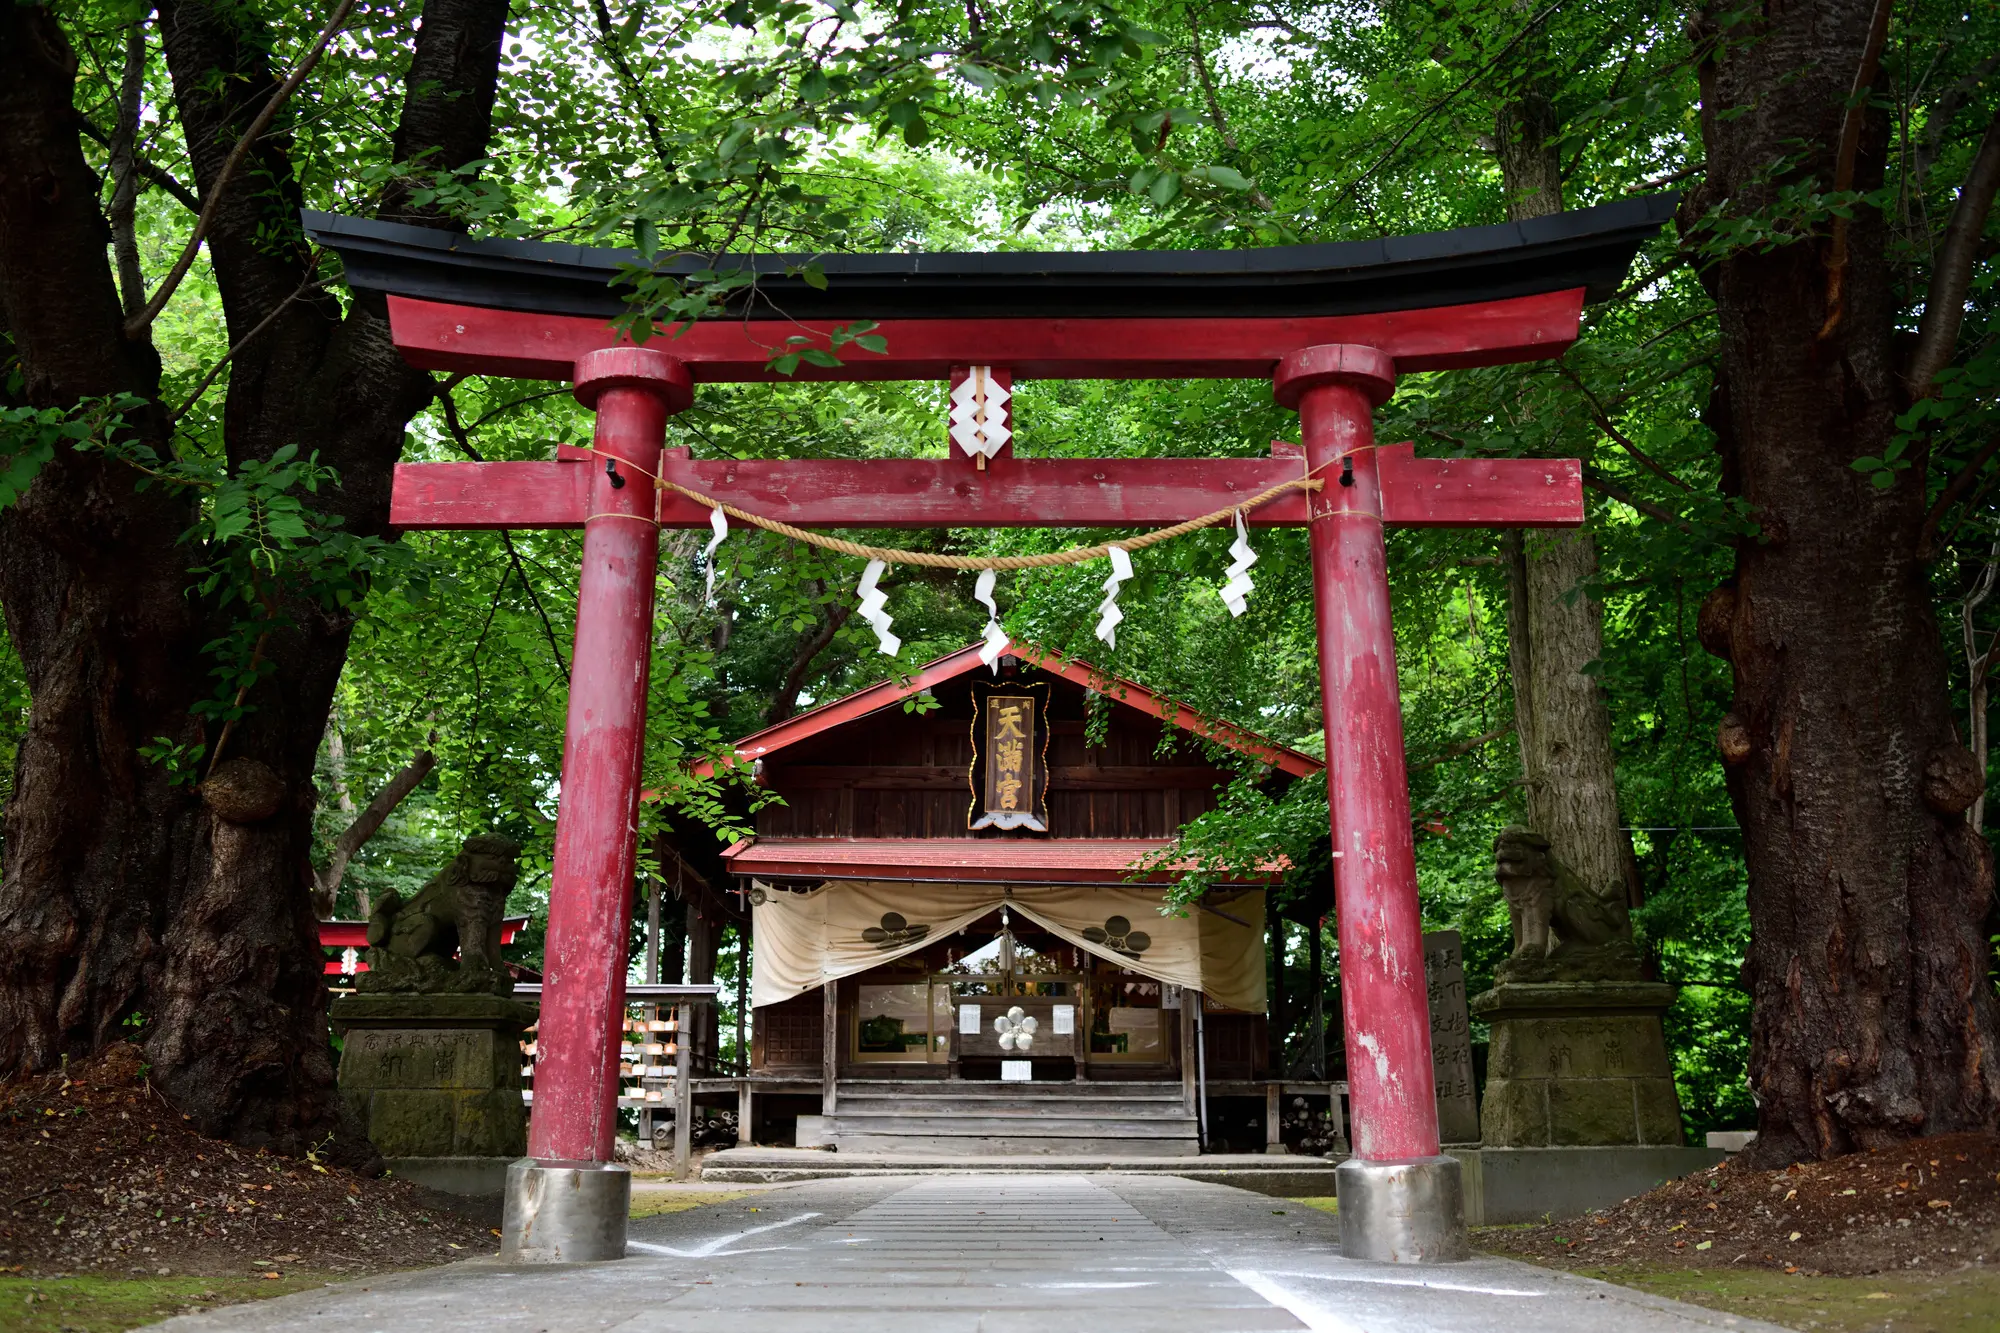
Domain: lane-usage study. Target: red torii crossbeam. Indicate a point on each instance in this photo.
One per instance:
(1400, 1197)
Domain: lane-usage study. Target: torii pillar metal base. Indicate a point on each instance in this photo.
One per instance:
(1400, 1199)
(566, 1201)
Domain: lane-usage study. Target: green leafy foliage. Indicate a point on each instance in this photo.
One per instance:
(698, 133)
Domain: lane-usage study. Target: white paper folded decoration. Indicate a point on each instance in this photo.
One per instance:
(873, 599)
(979, 413)
(718, 523)
(1108, 614)
(1239, 585)
(995, 638)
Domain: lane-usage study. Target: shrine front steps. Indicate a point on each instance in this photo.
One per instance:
(1280, 1177)
(987, 1119)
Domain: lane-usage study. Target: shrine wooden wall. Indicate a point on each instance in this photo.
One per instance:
(903, 775)
(790, 1036)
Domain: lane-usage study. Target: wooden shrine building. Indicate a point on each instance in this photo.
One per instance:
(952, 947)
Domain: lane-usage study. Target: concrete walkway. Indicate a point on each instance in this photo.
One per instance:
(979, 1254)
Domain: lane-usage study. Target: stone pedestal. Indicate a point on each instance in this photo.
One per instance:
(436, 1081)
(1578, 1063)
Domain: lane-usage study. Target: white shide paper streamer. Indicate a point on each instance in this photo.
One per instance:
(1239, 585)
(1108, 614)
(995, 638)
(718, 523)
(873, 599)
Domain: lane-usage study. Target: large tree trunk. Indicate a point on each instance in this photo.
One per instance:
(133, 896)
(238, 1036)
(93, 590)
(1555, 627)
(1873, 1020)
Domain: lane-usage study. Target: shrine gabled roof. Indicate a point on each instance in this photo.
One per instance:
(1589, 248)
(888, 693)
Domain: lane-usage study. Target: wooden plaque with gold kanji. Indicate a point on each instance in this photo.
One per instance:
(1009, 773)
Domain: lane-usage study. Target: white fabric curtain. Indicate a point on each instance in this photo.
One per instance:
(804, 940)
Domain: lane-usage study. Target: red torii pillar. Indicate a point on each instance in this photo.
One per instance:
(562, 1204)
(1400, 1198)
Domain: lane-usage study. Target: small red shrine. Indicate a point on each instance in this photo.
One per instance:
(926, 874)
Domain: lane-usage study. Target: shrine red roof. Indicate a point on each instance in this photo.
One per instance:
(984, 860)
(760, 745)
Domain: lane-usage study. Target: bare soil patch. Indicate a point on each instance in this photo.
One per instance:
(1930, 1205)
(99, 1175)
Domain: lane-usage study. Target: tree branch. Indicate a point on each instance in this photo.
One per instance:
(194, 395)
(124, 188)
(1951, 272)
(1441, 104)
(1596, 481)
(1666, 377)
(809, 649)
(459, 436)
(139, 323)
(1464, 747)
(1651, 276)
(1954, 491)
(1843, 162)
(609, 45)
(1940, 116)
(147, 168)
(1619, 437)
(1257, 195)
(326, 883)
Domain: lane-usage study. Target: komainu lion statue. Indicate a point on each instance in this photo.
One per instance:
(1562, 930)
(412, 944)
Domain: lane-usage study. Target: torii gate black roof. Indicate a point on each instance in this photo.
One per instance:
(1590, 248)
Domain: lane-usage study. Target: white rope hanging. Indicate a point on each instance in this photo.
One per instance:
(1239, 585)
(1108, 614)
(994, 638)
(873, 599)
(718, 523)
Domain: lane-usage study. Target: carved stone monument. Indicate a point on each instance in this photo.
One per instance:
(1578, 1054)
(1451, 1037)
(430, 1058)
(446, 939)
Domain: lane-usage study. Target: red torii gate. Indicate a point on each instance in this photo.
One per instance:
(1342, 321)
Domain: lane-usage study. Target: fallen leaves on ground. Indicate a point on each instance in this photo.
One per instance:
(99, 1175)
(1928, 1204)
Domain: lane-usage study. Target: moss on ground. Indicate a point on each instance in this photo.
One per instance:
(1326, 1203)
(1965, 1300)
(91, 1304)
(658, 1203)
